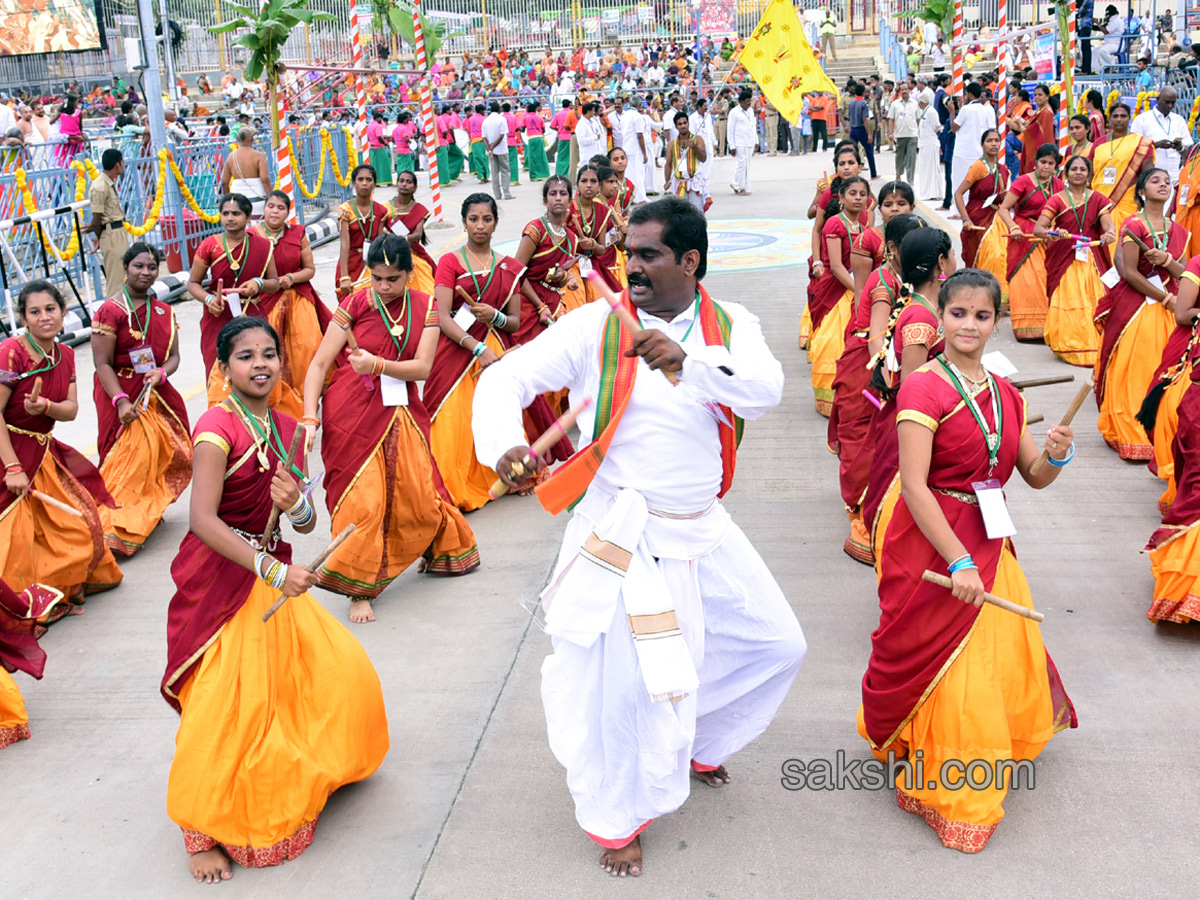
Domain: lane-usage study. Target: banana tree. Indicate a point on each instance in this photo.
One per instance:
(398, 14)
(266, 29)
(940, 12)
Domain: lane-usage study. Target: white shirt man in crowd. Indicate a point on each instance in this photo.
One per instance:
(660, 610)
(1114, 29)
(742, 137)
(495, 136)
(902, 117)
(1166, 129)
(589, 133)
(635, 141)
(969, 125)
(616, 120)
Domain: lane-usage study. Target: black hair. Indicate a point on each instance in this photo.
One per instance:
(683, 227)
(531, 107)
(680, 115)
(390, 250)
(234, 327)
(279, 195)
(603, 173)
(969, 278)
(39, 286)
(903, 188)
(557, 179)
(506, 106)
(900, 227)
(984, 137)
(1122, 105)
(1087, 160)
(479, 197)
(111, 158)
(1049, 150)
(974, 90)
(1095, 98)
(404, 117)
(240, 199)
(745, 94)
(1140, 187)
(412, 175)
(614, 150)
(600, 159)
(368, 167)
(919, 253)
(136, 249)
(586, 167)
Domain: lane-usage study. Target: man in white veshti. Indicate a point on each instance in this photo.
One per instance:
(673, 645)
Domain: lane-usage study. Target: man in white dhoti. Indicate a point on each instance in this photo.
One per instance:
(683, 171)
(702, 125)
(673, 645)
(742, 136)
(635, 141)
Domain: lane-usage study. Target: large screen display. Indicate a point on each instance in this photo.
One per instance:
(47, 26)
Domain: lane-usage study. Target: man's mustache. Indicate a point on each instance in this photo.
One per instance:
(639, 280)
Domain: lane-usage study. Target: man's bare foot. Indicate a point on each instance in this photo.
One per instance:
(361, 612)
(624, 862)
(715, 778)
(210, 866)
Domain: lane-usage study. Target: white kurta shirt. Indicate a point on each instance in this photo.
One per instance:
(742, 130)
(1154, 126)
(667, 446)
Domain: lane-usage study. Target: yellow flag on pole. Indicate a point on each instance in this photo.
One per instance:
(778, 57)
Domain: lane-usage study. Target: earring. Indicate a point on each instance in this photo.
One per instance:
(226, 382)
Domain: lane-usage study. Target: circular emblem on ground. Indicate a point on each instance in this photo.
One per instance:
(746, 245)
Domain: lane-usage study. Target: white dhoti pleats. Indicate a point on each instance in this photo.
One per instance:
(628, 755)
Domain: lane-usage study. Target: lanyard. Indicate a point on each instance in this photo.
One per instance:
(1077, 210)
(1042, 189)
(271, 439)
(991, 438)
(51, 359)
(691, 325)
(240, 264)
(479, 292)
(1154, 235)
(392, 324)
(135, 326)
(370, 220)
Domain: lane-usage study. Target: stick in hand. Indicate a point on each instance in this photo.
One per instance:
(36, 394)
(57, 504)
(1041, 382)
(316, 564)
(1025, 611)
(625, 316)
(542, 445)
(297, 440)
(1080, 396)
(352, 343)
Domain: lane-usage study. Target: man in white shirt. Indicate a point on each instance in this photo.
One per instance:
(969, 125)
(742, 136)
(1114, 29)
(676, 105)
(1166, 129)
(589, 133)
(616, 120)
(495, 136)
(938, 55)
(903, 116)
(635, 141)
(660, 610)
(655, 76)
(924, 90)
(8, 119)
(700, 123)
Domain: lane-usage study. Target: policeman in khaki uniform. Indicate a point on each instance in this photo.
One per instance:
(108, 221)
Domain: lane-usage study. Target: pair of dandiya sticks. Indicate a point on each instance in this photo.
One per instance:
(35, 395)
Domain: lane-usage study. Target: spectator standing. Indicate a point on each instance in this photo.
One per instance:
(904, 118)
(495, 136)
(862, 124)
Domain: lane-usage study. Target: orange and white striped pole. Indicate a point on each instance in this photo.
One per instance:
(431, 137)
(1002, 70)
(360, 86)
(283, 160)
(1066, 91)
(957, 87)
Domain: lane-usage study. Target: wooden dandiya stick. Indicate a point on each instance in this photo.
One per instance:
(542, 445)
(470, 299)
(623, 315)
(1033, 420)
(1025, 611)
(297, 440)
(1041, 382)
(1080, 396)
(872, 399)
(57, 504)
(316, 564)
(36, 394)
(352, 342)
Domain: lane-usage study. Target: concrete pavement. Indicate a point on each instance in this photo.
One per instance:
(471, 804)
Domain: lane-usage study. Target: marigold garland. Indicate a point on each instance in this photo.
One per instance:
(1195, 113)
(1113, 96)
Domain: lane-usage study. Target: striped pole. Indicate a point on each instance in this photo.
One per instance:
(1002, 70)
(957, 87)
(431, 136)
(1065, 94)
(360, 87)
(283, 161)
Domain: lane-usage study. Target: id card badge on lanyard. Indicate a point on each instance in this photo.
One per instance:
(990, 200)
(585, 265)
(1184, 189)
(1109, 176)
(1082, 250)
(366, 249)
(142, 358)
(994, 508)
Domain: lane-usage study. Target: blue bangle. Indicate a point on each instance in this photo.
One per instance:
(1059, 463)
(963, 562)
